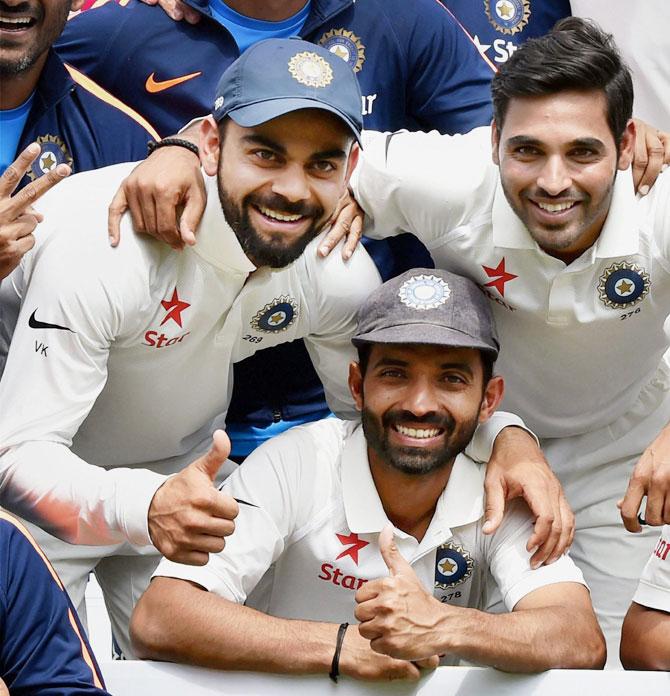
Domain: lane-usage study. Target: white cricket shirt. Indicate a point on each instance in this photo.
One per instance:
(654, 588)
(308, 540)
(578, 342)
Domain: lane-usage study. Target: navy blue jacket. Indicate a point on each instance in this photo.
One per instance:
(43, 647)
(417, 69)
(77, 123)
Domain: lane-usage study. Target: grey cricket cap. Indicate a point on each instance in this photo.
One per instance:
(428, 306)
(277, 76)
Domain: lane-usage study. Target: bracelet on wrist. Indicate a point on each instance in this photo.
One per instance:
(169, 142)
(335, 664)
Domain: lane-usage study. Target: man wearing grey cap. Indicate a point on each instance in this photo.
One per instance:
(120, 367)
(314, 542)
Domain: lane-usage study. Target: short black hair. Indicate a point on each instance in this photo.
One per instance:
(575, 55)
(488, 362)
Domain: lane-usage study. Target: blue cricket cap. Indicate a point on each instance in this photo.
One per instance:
(277, 76)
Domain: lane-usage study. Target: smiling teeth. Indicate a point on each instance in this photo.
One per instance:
(419, 434)
(15, 20)
(278, 216)
(555, 207)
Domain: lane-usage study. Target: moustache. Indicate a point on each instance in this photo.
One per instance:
(569, 193)
(283, 205)
(402, 417)
(35, 11)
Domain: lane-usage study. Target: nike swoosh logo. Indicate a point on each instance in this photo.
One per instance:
(37, 324)
(153, 86)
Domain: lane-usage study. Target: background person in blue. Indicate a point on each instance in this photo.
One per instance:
(47, 101)
(43, 647)
(416, 67)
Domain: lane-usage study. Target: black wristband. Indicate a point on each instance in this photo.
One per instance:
(178, 142)
(335, 664)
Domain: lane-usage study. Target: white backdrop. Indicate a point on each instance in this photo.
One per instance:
(159, 679)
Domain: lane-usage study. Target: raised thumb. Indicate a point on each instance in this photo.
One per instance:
(211, 462)
(394, 560)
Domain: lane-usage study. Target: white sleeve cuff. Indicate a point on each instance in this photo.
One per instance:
(205, 576)
(562, 570)
(652, 596)
(134, 498)
(481, 445)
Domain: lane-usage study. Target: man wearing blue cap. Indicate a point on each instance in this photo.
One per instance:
(313, 546)
(119, 370)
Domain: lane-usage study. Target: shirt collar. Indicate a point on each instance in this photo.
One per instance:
(619, 236)
(216, 242)
(461, 502)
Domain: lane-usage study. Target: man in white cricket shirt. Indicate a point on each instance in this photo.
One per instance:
(119, 369)
(307, 558)
(578, 273)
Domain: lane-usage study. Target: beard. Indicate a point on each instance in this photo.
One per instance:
(275, 251)
(417, 461)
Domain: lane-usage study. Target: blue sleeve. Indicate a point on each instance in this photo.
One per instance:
(450, 79)
(44, 649)
(88, 38)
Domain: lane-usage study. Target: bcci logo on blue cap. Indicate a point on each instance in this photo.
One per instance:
(310, 69)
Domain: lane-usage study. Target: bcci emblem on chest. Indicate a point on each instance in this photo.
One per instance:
(623, 285)
(508, 16)
(53, 152)
(277, 315)
(453, 565)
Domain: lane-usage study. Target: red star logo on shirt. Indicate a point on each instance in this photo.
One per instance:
(500, 277)
(355, 545)
(174, 307)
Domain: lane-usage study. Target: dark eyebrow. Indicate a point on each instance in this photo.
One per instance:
(591, 143)
(265, 142)
(464, 367)
(391, 362)
(335, 153)
(522, 140)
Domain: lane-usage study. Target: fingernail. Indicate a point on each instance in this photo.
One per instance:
(644, 190)
(323, 250)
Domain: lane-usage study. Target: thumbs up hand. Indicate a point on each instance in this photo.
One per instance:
(188, 517)
(396, 614)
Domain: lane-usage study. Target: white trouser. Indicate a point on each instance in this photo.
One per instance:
(122, 571)
(594, 469)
